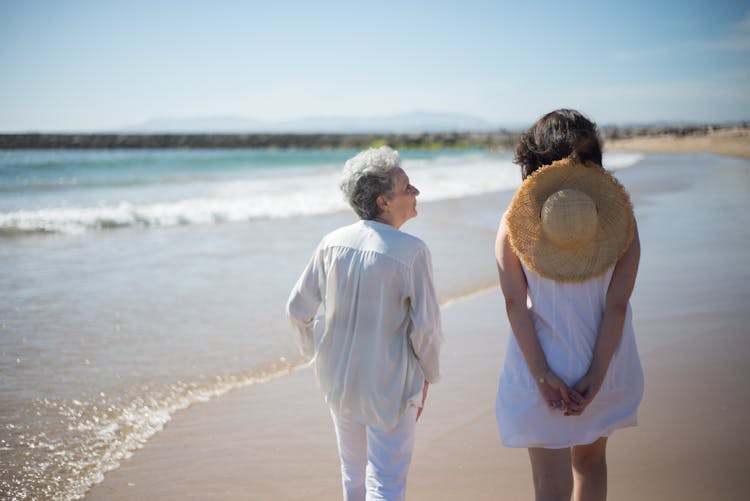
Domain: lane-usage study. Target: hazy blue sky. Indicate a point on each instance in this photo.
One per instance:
(98, 64)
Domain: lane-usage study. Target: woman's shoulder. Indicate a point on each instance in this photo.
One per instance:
(377, 237)
(412, 240)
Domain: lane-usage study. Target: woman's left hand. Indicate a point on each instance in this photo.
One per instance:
(555, 392)
(424, 397)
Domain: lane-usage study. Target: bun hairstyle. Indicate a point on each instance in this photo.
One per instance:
(559, 134)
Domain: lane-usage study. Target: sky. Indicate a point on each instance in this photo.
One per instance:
(98, 65)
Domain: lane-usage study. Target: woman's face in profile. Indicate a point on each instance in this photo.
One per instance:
(402, 202)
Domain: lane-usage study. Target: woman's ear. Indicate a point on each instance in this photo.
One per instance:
(382, 202)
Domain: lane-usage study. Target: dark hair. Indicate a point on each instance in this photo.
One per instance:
(559, 134)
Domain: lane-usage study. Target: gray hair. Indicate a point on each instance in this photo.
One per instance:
(366, 177)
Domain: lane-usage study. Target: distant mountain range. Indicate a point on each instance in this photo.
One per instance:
(417, 122)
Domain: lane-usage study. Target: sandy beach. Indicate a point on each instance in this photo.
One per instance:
(733, 142)
(275, 440)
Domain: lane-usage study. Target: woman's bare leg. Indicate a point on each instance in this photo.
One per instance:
(551, 470)
(590, 471)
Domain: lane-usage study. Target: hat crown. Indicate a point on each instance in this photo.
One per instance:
(569, 218)
(570, 221)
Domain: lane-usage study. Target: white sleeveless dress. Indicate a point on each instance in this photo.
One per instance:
(566, 317)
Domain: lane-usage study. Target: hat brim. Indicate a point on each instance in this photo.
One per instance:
(615, 229)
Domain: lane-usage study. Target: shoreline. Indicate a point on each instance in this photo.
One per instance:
(275, 440)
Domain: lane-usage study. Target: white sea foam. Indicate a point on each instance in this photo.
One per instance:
(620, 160)
(98, 435)
(273, 194)
(300, 193)
(457, 177)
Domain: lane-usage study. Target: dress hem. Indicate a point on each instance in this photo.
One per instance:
(572, 443)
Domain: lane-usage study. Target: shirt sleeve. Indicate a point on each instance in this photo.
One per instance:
(427, 334)
(303, 304)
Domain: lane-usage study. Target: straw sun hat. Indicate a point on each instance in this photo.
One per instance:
(570, 221)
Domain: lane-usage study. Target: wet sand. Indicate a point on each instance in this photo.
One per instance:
(276, 441)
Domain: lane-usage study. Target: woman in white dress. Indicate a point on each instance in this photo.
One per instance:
(567, 253)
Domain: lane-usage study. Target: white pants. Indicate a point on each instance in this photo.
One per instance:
(374, 463)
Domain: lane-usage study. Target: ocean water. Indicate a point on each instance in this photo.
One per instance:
(134, 284)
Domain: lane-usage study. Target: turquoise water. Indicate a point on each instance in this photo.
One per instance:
(74, 192)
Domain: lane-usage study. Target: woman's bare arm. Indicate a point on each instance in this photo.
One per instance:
(514, 287)
(610, 330)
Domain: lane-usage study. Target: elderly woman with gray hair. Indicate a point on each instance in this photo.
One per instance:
(365, 313)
